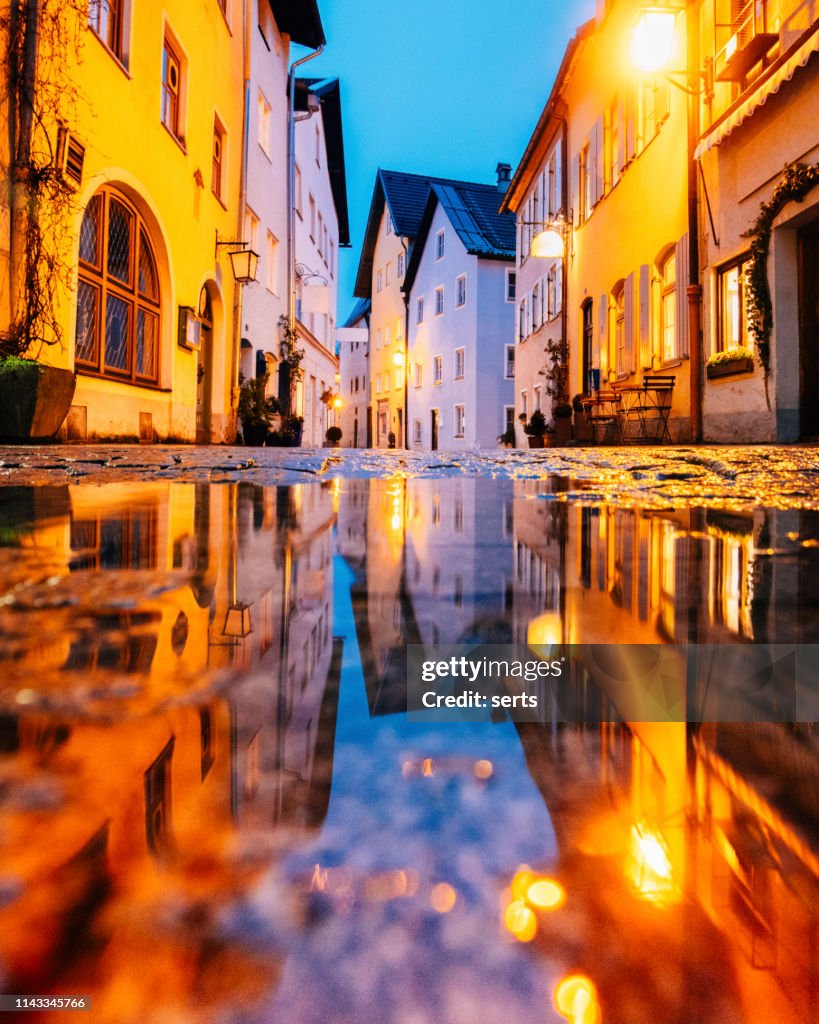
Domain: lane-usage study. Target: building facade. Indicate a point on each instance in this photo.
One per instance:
(354, 391)
(460, 391)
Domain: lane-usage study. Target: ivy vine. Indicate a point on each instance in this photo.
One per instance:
(797, 180)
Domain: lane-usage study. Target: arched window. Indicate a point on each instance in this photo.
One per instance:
(118, 302)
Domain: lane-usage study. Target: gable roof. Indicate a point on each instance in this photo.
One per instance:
(360, 310)
(329, 92)
(472, 210)
(406, 195)
(299, 19)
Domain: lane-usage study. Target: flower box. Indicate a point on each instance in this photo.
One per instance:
(729, 368)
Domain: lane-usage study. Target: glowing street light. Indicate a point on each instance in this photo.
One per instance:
(398, 358)
(652, 40)
(548, 244)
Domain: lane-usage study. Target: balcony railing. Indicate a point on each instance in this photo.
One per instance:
(742, 41)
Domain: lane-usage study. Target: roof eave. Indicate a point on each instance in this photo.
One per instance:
(300, 20)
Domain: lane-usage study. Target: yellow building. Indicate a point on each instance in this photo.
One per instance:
(149, 138)
(607, 162)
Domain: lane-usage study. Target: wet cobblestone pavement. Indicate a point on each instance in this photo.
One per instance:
(214, 806)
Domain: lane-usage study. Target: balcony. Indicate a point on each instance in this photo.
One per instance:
(742, 41)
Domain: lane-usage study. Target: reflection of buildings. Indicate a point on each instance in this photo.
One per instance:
(695, 842)
(151, 747)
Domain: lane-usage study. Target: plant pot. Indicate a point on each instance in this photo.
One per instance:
(254, 434)
(563, 431)
(580, 426)
(535, 441)
(34, 399)
(729, 368)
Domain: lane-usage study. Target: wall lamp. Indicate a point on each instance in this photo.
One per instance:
(243, 262)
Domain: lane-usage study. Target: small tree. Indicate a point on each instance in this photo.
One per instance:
(291, 356)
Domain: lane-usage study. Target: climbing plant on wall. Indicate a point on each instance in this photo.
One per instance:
(793, 186)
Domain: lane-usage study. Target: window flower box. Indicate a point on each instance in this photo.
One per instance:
(729, 363)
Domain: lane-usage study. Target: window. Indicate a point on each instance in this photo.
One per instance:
(439, 301)
(105, 18)
(416, 431)
(378, 383)
(552, 202)
(459, 363)
(252, 229)
(536, 398)
(388, 273)
(378, 340)
(439, 245)
(510, 362)
(399, 329)
(299, 201)
(387, 223)
(379, 281)
(317, 138)
(460, 290)
(326, 244)
(311, 203)
(668, 308)
(387, 336)
(419, 375)
(511, 283)
(332, 257)
(118, 299)
(537, 307)
(320, 236)
(618, 299)
(272, 263)
(437, 369)
(400, 265)
(217, 174)
(509, 419)
(733, 318)
(585, 183)
(523, 404)
(264, 123)
(399, 377)
(419, 311)
(171, 89)
(459, 421)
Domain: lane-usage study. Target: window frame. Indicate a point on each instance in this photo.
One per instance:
(511, 277)
(419, 310)
(440, 245)
(737, 263)
(460, 352)
(439, 300)
(218, 169)
(113, 41)
(263, 111)
(171, 56)
(460, 287)
(507, 375)
(437, 370)
(459, 413)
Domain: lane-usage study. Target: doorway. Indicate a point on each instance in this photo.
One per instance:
(433, 424)
(809, 332)
(203, 368)
(382, 424)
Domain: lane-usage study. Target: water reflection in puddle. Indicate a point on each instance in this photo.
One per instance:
(213, 807)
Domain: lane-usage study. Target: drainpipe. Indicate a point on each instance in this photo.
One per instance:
(406, 349)
(694, 289)
(291, 186)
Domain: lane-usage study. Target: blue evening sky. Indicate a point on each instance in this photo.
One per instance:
(445, 87)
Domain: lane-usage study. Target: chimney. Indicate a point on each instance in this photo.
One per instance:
(504, 173)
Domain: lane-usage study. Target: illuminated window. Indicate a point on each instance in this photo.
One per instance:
(400, 264)
(621, 356)
(118, 299)
(668, 308)
(733, 321)
(272, 263)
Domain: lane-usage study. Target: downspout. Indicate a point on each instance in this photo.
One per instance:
(564, 277)
(291, 187)
(694, 289)
(406, 349)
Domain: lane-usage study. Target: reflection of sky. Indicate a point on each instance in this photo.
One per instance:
(375, 959)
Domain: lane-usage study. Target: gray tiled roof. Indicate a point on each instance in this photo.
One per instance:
(473, 211)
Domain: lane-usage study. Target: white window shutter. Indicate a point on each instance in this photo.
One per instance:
(558, 178)
(628, 323)
(645, 317)
(597, 164)
(559, 287)
(621, 131)
(575, 183)
(631, 121)
(682, 297)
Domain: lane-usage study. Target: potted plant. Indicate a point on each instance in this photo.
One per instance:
(256, 409)
(563, 423)
(34, 398)
(730, 362)
(333, 436)
(535, 429)
(579, 418)
(507, 438)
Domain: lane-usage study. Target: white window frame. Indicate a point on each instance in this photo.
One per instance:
(417, 435)
(460, 290)
(440, 245)
(459, 421)
(419, 374)
(401, 266)
(460, 356)
(272, 263)
(264, 112)
(510, 358)
(511, 279)
(439, 300)
(379, 281)
(419, 310)
(437, 370)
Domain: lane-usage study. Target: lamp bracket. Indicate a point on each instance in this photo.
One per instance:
(304, 273)
(220, 242)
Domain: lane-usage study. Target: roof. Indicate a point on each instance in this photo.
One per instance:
(406, 197)
(472, 209)
(360, 310)
(329, 92)
(299, 19)
(536, 147)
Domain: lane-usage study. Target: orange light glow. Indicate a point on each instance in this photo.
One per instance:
(652, 41)
(443, 898)
(575, 998)
(483, 769)
(648, 866)
(546, 894)
(427, 769)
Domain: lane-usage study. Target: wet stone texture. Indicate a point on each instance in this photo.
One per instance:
(214, 806)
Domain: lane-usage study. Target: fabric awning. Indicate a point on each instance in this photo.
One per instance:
(782, 71)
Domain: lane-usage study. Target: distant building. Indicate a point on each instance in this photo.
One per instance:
(322, 228)
(460, 389)
(353, 354)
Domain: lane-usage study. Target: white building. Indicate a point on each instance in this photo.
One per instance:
(322, 227)
(353, 356)
(459, 284)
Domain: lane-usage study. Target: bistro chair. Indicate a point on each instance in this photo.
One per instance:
(603, 417)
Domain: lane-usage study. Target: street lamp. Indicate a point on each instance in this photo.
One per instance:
(548, 244)
(398, 359)
(243, 262)
(652, 39)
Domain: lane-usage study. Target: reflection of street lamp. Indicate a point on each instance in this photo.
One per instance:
(652, 48)
(398, 359)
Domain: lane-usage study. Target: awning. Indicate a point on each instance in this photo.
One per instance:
(781, 71)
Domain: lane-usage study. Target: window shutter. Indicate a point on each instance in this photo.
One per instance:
(621, 131)
(558, 178)
(630, 115)
(559, 287)
(597, 161)
(628, 323)
(602, 331)
(645, 317)
(575, 183)
(682, 297)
